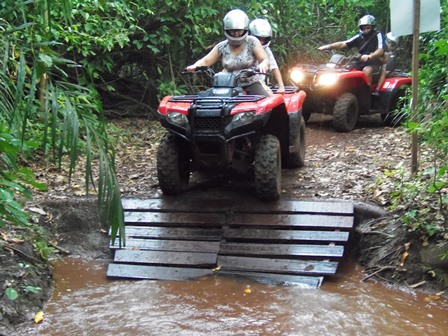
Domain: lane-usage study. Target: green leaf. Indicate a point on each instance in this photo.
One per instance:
(11, 293)
(32, 289)
(48, 61)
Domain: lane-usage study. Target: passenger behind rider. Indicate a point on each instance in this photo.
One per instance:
(369, 43)
(239, 51)
(261, 29)
(391, 43)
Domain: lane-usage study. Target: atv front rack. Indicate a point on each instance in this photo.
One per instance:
(216, 100)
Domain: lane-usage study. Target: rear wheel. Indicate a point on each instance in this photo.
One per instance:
(395, 117)
(345, 113)
(173, 165)
(268, 168)
(297, 158)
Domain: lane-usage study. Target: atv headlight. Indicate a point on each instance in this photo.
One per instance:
(327, 79)
(243, 118)
(297, 76)
(177, 118)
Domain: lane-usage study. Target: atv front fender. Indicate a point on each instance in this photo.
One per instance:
(295, 101)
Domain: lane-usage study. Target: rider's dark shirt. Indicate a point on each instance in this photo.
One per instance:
(374, 42)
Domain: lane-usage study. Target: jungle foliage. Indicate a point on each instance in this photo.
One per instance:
(64, 64)
(422, 198)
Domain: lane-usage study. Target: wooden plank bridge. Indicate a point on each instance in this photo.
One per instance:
(288, 241)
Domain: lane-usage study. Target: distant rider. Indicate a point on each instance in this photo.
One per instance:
(369, 43)
(388, 60)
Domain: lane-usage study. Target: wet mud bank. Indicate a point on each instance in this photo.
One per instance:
(378, 244)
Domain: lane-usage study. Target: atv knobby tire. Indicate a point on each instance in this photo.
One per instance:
(345, 112)
(296, 159)
(268, 168)
(173, 168)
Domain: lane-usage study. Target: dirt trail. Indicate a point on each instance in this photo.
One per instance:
(337, 166)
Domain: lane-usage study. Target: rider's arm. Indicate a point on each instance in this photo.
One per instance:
(275, 71)
(334, 45)
(278, 77)
(208, 60)
(262, 58)
(377, 54)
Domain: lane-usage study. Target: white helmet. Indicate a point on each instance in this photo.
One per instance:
(236, 19)
(261, 28)
(367, 20)
(391, 41)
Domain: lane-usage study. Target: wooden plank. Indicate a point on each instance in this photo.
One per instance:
(174, 219)
(170, 245)
(226, 204)
(276, 250)
(177, 204)
(165, 258)
(209, 234)
(291, 220)
(300, 267)
(278, 279)
(288, 235)
(155, 272)
(294, 206)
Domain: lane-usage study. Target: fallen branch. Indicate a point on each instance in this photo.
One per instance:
(379, 271)
(23, 254)
(58, 248)
(377, 232)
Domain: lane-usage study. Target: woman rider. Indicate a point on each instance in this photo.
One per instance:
(239, 51)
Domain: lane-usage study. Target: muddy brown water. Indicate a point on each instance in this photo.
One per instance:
(85, 302)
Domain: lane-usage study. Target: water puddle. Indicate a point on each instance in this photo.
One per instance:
(85, 302)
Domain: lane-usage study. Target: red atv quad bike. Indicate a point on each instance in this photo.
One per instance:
(338, 88)
(223, 129)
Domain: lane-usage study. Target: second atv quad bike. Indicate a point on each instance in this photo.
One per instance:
(223, 129)
(338, 88)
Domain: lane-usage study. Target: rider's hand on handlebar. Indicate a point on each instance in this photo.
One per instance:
(365, 58)
(324, 47)
(281, 89)
(263, 68)
(191, 68)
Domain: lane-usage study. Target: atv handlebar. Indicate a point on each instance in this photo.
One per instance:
(200, 70)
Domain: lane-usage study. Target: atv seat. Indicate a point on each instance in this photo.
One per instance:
(391, 63)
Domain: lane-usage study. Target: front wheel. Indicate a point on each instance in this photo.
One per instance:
(173, 165)
(296, 159)
(345, 112)
(268, 168)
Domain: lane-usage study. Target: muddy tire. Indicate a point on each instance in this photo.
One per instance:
(297, 158)
(306, 114)
(345, 113)
(173, 165)
(268, 168)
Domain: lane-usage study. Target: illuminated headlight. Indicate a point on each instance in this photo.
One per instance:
(327, 79)
(177, 118)
(297, 76)
(244, 117)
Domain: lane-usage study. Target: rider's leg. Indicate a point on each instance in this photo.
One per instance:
(368, 72)
(382, 78)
